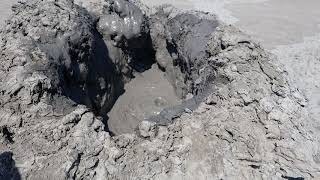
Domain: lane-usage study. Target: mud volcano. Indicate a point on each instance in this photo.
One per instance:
(156, 63)
(161, 79)
(122, 64)
(220, 109)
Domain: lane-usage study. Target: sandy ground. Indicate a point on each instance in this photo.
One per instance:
(288, 28)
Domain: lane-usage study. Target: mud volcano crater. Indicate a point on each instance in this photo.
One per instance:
(159, 64)
(122, 64)
(69, 75)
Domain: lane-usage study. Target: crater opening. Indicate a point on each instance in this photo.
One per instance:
(129, 67)
(164, 75)
(142, 88)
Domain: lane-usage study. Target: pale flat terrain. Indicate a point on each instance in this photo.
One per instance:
(5, 10)
(278, 22)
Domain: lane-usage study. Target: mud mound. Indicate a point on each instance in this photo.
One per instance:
(62, 68)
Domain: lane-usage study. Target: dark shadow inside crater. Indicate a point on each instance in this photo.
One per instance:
(143, 57)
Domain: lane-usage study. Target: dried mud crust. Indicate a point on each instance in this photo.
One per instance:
(252, 125)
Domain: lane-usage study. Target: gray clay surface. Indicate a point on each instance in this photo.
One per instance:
(61, 72)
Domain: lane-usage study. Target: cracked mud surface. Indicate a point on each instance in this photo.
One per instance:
(61, 72)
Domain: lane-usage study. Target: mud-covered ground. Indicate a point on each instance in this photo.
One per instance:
(290, 29)
(63, 66)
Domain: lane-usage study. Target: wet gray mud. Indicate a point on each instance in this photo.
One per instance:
(146, 95)
(114, 54)
(127, 30)
(181, 54)
(202, 100)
